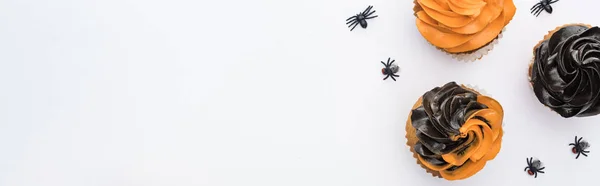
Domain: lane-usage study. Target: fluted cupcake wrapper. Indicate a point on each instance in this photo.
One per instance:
(411, 138)
(477, 54)
(476, 89)
(546, 37)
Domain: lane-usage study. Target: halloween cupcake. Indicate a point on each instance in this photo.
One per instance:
(565, 70)
(466, 29)
(453, 131)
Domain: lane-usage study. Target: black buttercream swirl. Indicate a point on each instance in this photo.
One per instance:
(566, 71)
(444, 110)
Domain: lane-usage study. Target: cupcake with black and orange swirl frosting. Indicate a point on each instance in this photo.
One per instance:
(454, 130)
(466, 29)
(565, 72)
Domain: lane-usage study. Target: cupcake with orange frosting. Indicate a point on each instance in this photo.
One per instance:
(454, 130)
(466, 29)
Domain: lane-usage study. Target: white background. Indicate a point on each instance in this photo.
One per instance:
(262, 92)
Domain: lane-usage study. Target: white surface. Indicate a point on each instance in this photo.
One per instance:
(264, 92)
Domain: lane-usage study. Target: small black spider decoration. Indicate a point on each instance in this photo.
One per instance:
(390, 69)
(579, 147)
(542, 5)
(360, 18)
(533, 167)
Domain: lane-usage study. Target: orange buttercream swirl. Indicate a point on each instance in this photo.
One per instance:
(462, 25)
(458, 131)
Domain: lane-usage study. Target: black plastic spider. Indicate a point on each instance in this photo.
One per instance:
(390, 69)
(542, 5)
(360, 18)
(579, 147)
(534, 167)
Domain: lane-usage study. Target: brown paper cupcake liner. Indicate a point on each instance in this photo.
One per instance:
(479, 53)
(470, 56)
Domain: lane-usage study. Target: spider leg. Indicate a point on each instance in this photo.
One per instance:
(370, 13)
(553, 1)
(526, 168)
(535, 9)
(393, 78)
(355, 24)
(538, 12)
(392, 61)
(586, 151)
(536, 5)
(542, 168)
(543, 10)
(395, 75)
(349, 24)
(352, 25)
(579, 153)
(571, 144)
(367, 10)
(384, 64)
(584, 154)
(535, 175)
(351, 21)
(579, 141)
(353, 17)
(530, 161)
(386, 77)
(541, 171)
(371, 17)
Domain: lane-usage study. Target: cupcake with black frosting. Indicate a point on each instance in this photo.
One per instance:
(565, 72)
(454, 130)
